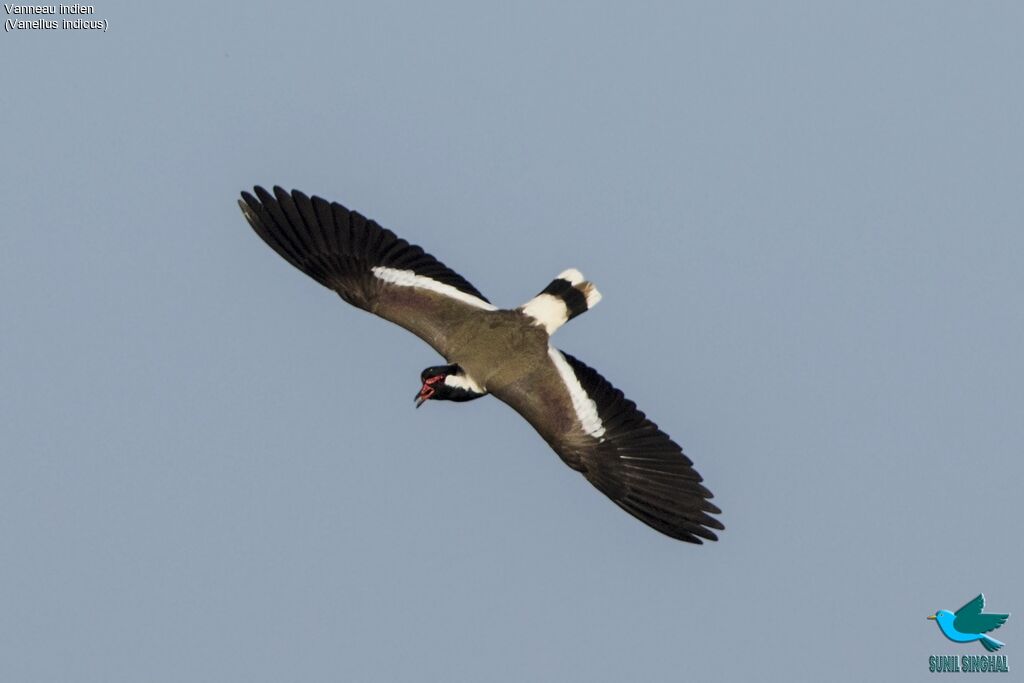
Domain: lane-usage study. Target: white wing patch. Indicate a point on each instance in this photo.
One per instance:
(407, 278)
(586, 409)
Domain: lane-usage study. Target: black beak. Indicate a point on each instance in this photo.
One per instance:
(425, 392)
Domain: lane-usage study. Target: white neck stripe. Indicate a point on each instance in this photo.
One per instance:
(464, 382)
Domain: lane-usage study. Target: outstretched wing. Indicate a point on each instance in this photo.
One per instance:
(969, 618)
(599, 432)
(367, 265)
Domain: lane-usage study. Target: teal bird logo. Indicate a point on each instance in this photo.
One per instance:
(969, 624)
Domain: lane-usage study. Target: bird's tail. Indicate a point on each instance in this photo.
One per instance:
(991, 644)
(566, 297)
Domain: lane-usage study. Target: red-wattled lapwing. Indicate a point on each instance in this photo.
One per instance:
(507, 353)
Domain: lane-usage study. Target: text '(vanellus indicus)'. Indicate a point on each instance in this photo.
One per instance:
(504, 352)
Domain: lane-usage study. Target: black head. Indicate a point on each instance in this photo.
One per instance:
(447, 383)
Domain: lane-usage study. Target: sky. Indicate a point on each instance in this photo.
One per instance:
(806, 221)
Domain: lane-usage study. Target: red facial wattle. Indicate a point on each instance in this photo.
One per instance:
(429, 389)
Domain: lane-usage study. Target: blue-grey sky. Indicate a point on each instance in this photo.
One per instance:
(806, 220)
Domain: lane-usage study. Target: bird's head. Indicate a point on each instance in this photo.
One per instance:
(447, 383)
(943, 616)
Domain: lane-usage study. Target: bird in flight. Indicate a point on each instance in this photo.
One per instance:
(503, 352)
(969, 624)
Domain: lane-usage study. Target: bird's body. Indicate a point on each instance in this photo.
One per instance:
(968, 624)
(497, 348)
(502, 352)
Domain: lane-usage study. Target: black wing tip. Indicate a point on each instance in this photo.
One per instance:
(697, 525)
(243, 203)
(261, 198)
(691, 526)
(298, 226)
(255, 203)
(697, 529)
(694, 528)
(260, 195)
(643, 470)
(698, 536)
(248, 202)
